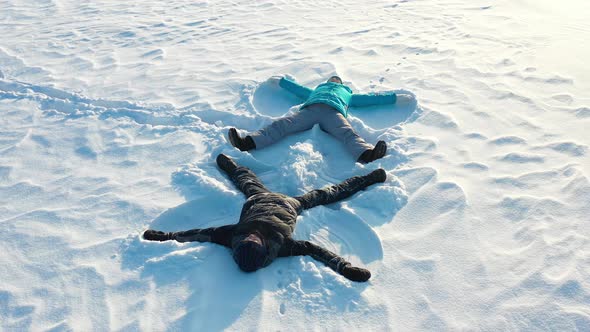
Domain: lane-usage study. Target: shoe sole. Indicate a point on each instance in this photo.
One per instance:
(380, 150)
(381, 175)
(233, 135)
(226, 163)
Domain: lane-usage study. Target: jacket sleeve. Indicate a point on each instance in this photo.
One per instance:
(382, 98)
(220, 235)
(306, 248)
(295, 88)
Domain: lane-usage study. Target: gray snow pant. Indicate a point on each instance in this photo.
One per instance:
(329, 119)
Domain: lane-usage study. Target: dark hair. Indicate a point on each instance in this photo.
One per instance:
(338, 77)
(250, 256)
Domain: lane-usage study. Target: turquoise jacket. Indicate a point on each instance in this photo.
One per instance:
(336, 95)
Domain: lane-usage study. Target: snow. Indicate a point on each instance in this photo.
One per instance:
(113, 114)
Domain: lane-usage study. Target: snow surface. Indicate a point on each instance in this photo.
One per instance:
(112, 113)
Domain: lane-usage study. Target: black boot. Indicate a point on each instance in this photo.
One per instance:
(378, 175)
(243, 144)
(376, 153)
(226, 163)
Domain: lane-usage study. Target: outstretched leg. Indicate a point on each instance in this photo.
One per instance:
(341, 191)
(302, 120)
(335, 124)
(241, 176)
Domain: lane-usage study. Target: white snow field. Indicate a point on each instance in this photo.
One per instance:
(112, 113)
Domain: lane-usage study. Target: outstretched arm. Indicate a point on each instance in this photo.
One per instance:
(382, 98)
(341, 191)
(330, 259)
(295, 88)
(220, 235)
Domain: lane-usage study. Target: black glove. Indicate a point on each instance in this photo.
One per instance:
(152, 235)
(355, 273)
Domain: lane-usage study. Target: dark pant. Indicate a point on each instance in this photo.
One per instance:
(329, 119)
(247, 181)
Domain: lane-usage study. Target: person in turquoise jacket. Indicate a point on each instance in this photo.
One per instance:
(326, 105)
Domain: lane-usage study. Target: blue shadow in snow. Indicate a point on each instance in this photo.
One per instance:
(219, 290)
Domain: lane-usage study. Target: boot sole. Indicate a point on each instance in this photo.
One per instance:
(233, 136)
(380, 150)
(226, 163)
